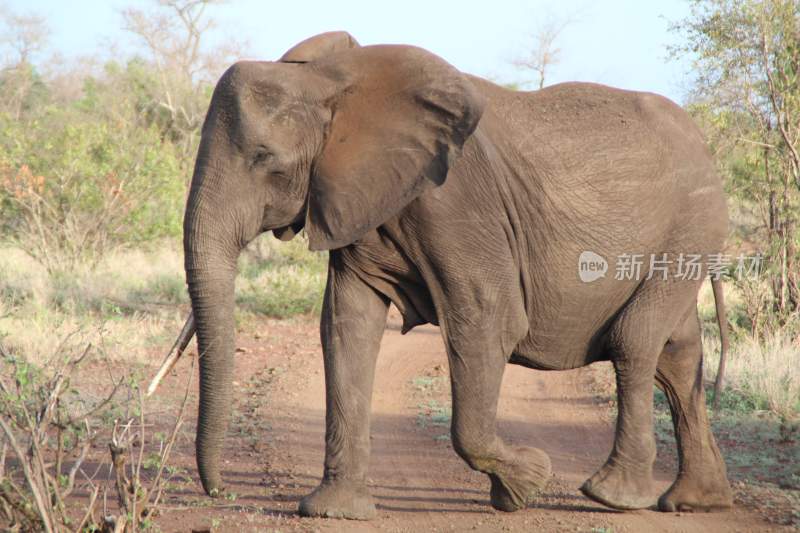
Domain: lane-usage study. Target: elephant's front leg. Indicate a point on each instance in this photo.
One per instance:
(476, 370)
(353, 320)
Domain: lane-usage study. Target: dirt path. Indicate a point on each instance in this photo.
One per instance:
(420, 484)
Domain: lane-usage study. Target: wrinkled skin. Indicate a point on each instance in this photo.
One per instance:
(467, 206)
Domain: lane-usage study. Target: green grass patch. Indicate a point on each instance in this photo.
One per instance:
(281, 279)
(283, 291)
(427, 384)
(758, 446)
(759, 375)
(433, 413)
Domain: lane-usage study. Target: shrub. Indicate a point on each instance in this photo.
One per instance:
(281, 279)
(74, 186)
(50, 427)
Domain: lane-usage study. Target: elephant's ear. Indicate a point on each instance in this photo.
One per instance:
(319, 46)
(400, 118)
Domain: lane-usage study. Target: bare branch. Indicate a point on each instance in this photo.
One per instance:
(33, 483)
(24, 34)
(544, 54)
(777, 106)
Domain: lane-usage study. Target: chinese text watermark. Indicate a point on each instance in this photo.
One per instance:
(593, 266)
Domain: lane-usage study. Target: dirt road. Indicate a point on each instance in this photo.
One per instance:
(276, 446)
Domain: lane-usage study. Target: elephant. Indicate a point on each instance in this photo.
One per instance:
(471, 207)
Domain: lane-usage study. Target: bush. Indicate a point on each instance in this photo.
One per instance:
(281, 279)
(50, 428)
(74, 186)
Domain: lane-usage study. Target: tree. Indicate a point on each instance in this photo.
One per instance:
(544, 54)
(746, 56)
(183, 71)
(105, 167)
(26, 35)
(22, 37)
(82, 176)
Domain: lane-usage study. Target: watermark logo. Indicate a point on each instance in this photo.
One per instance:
(591, 267)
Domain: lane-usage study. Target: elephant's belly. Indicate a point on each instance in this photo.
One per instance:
(555, 360)
(558, 357)
(563, 343)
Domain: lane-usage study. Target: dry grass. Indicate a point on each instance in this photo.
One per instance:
(129, 305)
(763, 374)
(135, 301)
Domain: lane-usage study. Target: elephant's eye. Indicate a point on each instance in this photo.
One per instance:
(261, 156)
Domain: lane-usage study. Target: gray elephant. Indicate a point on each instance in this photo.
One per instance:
(467, 206)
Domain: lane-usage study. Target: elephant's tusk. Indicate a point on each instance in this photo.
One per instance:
(172, 357)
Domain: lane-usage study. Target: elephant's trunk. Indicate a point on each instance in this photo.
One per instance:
(212, 303)
(210, 257)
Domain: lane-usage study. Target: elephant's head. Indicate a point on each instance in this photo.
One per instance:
(335, 138)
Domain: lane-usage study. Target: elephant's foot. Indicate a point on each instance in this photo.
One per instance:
(621, 488)
(705, 495)
(339, 499)
(516, 482)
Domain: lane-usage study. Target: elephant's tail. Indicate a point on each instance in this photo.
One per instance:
(722, 321)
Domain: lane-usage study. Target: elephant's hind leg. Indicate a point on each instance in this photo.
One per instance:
(702, 483)
(517, 474)
(635, 341)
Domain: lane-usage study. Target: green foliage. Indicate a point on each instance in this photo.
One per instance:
(76, 183)
(152, 461)
(742, 401)
(24, 89)
(82, 174)
(747, 99)
(281, 279)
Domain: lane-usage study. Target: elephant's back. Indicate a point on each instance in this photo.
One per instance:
(611, 157)
(580, 129)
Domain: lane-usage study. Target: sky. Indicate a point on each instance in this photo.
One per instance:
(615, 42)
